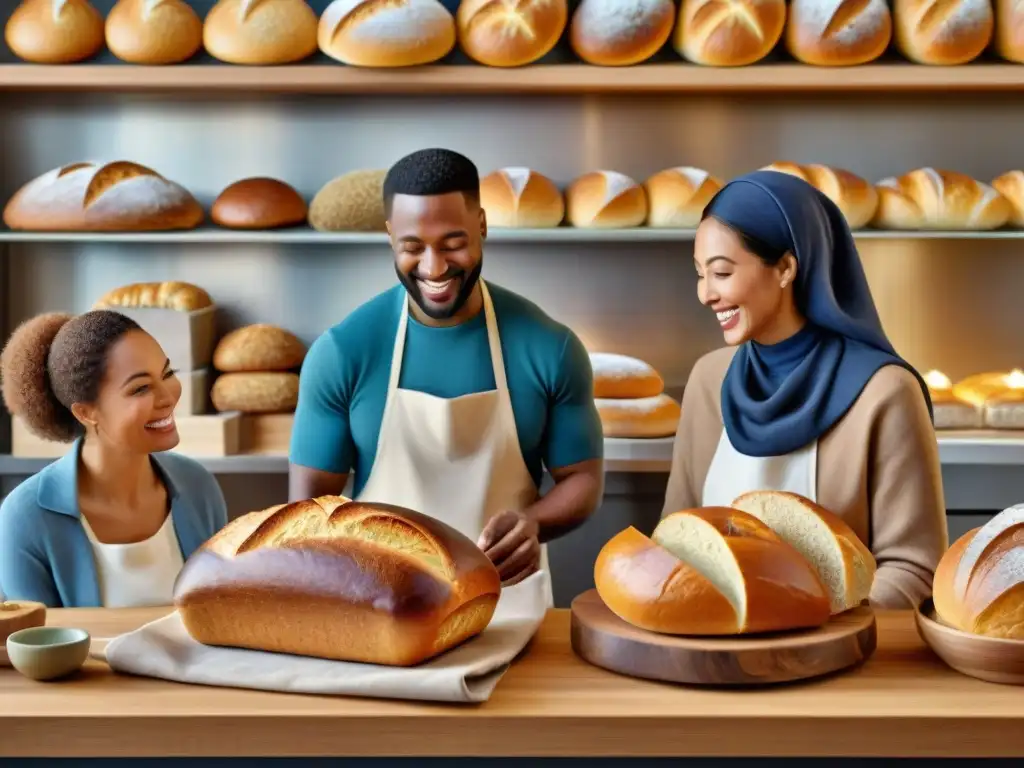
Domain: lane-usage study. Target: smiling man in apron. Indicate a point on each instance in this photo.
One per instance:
(449, 395)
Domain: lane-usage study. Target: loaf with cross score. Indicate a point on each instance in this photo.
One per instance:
(932, 199)
(728, 33)
(338, 579)
(503, 33)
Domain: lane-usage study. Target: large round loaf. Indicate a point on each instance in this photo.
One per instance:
(170, 294)
(504, 33)
(933, 199)
(258, 347)
(855, 197)
(338, 579)
(54, 31)
(622, 376)
(845, 566)
(710, 571)
(386, 33)
(728, 33)
(353, 202)
(676, 197)
(605, 199)
(153, 32)
(618, 33)
(950, 411)
(519, 197)
(258, 203)
(92, 197)
(838, 33)
(979, 582)
(656, 416)
(260, 32)
(256, 392)
(943, 32)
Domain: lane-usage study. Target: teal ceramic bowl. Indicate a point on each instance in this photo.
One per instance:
(48, 653)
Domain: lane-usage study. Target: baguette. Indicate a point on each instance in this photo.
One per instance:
(386, 33)
(728, 33)
(519, 197)
(605, 199)
(624, 377)
(656, 416)
(620, 33)
(153, 32)
(258, 347)
(54, 31)
(510, 33)
(676, 197)
(930, 199)
(855, 197)
(338, 579)
(257, 392)
(171, 294)
(260, 32)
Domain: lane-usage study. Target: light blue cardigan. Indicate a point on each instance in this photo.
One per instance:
(45, 554)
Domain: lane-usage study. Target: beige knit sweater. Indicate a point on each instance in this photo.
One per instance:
(878, 469)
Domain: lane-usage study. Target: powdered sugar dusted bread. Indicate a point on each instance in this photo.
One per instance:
(676, 197)
(153, 31)
(386, 33)
(656, 416)
(621, 376)
(260, 31)
(520, 197)
(943, 32)
(728, 33)
(838, 33)
(605, 199)
(620, 32)
(54, 31)
(510, 33)
(93, 197)
(933, 199)
(854, 196)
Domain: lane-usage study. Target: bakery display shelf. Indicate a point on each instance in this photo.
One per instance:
(451, 79)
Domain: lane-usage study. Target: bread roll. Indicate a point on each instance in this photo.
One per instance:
(260, 32)
(54, 31)
(676, 197)
(519, 197)
(845, 566)
(711, 571)
(171, 294)
(977, 585)
(353, 202)
(386, 33)
(728, 33)
(854, 196)
(258, 203)
(838, 33)
(948, 410)
(1011, 186)
(1009, 30)
(338, 579)
(639, 417)
(619, 33)
(16, 616)
(605, 200)
(510, 33)
(939, 200)
(153, 31)
(1000, 396)
(92, 197)
(258, 347)
(621, 376)
(256, 392)
(942, 32)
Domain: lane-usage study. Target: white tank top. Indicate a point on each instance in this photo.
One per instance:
(138, 574)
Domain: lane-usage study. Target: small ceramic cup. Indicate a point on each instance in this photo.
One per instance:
(48, 653)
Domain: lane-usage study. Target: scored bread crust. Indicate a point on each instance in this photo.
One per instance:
(153, 32)
(728, 33)
(620, 33)
(52, 32)
(503, 33)
(927, 198)
(521, 197)
(386, 33)
(854, 196)
(170, 294)
(260, 32)
(676, 197)
(605, 199)
(656, 416)
(338, 579)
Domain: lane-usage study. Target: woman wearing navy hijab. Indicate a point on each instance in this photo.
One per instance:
(809, 396)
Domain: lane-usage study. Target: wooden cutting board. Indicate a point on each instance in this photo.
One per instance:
(603, 639)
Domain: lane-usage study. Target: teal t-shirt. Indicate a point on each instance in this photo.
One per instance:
(345, 375)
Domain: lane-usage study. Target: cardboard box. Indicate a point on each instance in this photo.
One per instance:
(188, 338)
(195, 393)
(267, 433)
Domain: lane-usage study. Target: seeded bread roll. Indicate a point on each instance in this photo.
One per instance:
(624, 377)
(258, 347)
(520, 197)
(676, 197)
(930, 199)
(153, 32)
(171, 294)
(386, 33)
(273, 392)
(353, 202)
(605, 199)
(943, 32)
(728, 33)
(258, 203)
(838, 33)
(639, 417)
(618, 33)
(54, 31)
(855, 197)
(950, 411)
(501, 33)
(1011, 186)
(260, 32)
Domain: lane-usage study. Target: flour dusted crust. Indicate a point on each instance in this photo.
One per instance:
(621, 376)
(676, 197)
(838, 33)
(153, 32)
(855, 197)
(639, 417)
(620, 32)
(89, 196)
(728, 33)
(54, 31)
(386, 33)
(260, 32)
(510, 33)
(605, 199)
(521, 197)
(943, 32)
(258, 347)
(931, 199)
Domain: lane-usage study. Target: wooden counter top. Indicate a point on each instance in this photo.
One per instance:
(903, 702)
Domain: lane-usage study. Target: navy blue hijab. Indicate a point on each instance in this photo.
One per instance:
(779, 398)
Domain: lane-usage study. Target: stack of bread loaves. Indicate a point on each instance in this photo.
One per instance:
(338, 579)
(258, 366)
(998, 396)
(949, 410)
(630, 398)
(771, 562)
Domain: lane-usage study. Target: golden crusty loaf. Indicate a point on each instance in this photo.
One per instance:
(386, 33)
(258, 203)
(338, 579)
(942, 32)
(622, 376)
(999, 396)
(520, 197)
(728, 33)
(948, 410)
(855, 197)
(619, 33)
(844, 564)
(510, 33)
(709, 571)
(838, 33)
(256, 392)
(656, 416)
(1009, 34)
(92, 197)
(170, 294)
(1011, 186)
(153, 32)
(353, 202)
(979, 582)
(934, 199)
(16, 616)
(258, 347)
(605, 199)
(54, 31)
(676, 197)
(260, 32)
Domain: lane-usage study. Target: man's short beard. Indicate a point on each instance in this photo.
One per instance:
(412, 287)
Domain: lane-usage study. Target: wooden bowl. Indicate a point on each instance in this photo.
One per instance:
(992, 659)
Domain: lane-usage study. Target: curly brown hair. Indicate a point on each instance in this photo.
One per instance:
(56, 360)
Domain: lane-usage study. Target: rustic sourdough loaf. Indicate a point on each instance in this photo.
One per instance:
(656, 416)
(622, 376)
(258, 347)
(338, 579)
(386, 33)
(618, 33)
(352, 202)
(258, 203)
(54, 31)
(256, 392)
(855, 197)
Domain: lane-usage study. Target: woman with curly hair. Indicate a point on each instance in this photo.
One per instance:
(111, 523)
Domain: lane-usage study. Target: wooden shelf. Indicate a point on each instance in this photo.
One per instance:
(655, 78)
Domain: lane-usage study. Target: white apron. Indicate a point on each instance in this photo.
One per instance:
(455, 459)
(732, 473)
